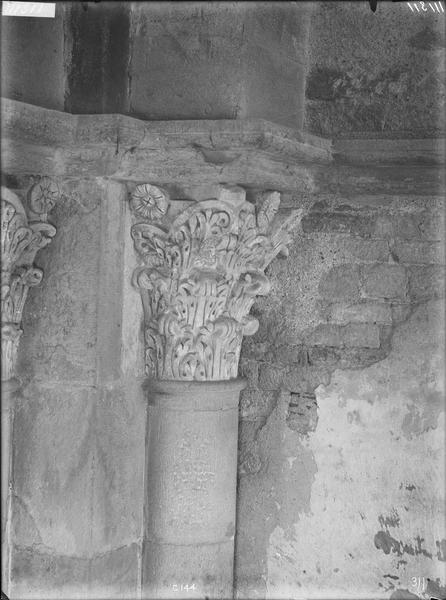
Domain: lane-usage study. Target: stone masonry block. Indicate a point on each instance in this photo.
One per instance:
(410, 226)
(360, 225)
(302, 413)
(362, 312)
(426, 283)
(323, 355)
(326, 335)
(112, 574)
(400, 226)
(253, 349)
(419, 252)
(295, 380)
(256, 403)
(299, 380)
(60, 340)
(360, 335)
(340, 282)
(366, 250)
(288, 354)
(354, 358)
(91, 443)
(384, 281)
(250, 370)
(400, 312)
(430, 224)
(270, 377)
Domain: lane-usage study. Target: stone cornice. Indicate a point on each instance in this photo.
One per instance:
(253, 153)
(390, 152)
(250, 152)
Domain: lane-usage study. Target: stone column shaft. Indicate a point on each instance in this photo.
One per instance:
(201, 271)
(191, 475)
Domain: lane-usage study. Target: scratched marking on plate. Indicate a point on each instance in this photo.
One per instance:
(424, 7)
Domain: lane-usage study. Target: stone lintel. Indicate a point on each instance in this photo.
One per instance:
(253, 153)
(248, 152)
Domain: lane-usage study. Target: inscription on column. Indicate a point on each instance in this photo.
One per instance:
(193, 478)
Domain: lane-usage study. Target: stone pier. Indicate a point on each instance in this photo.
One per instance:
(165, 237)
(23, 233)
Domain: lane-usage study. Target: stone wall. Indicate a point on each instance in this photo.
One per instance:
(341, 475)
(341, 466)
(162, 60)
(376, 72)
(80, 418)
(342, 429)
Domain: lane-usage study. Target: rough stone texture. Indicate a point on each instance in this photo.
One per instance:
(183, 155)
(107, 576)
(425, 282)
(384, 281)
(218, 61)
(180, 154)
(362, 335)
(60, 325)
(80, 421)
(364, 312)
(348, 361)
(302, 413)
(162, 60)
(32, 59)
(340, 282)
(378, 72)
(419, 252)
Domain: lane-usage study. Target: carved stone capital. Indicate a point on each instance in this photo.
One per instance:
(22, 235)
(200, 274)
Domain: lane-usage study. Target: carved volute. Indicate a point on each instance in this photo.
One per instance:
(22, 235)
(201, 271)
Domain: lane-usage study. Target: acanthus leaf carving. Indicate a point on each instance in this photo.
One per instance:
(21, 239)
(201, 272)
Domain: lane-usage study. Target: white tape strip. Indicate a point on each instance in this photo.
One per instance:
(29, 9)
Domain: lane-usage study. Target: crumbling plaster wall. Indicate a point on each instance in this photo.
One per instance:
(341, 446)
(341, 473)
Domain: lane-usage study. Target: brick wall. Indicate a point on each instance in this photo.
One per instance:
(357, 270)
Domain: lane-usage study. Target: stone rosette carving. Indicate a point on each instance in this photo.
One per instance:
(22, 235)
(201, 272)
